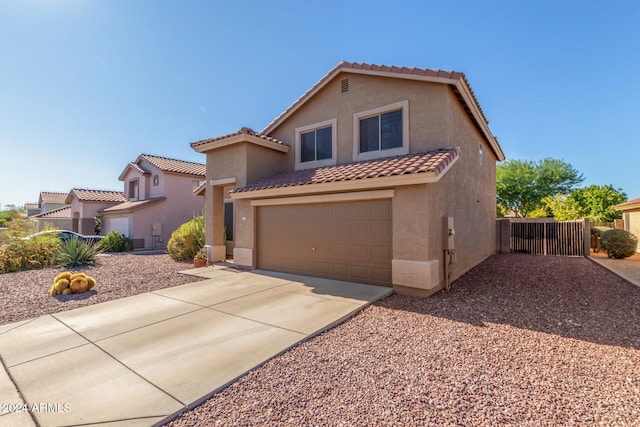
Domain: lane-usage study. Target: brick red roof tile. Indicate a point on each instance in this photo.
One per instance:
(50, 197)
(176, 166)
(630, 204)
(130, 205)
(433, 161)
(60, 213)
(138, 168)
(245, 131)
(85, 195)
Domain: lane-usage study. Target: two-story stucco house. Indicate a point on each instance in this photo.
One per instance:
(377, 174)
(158, 197)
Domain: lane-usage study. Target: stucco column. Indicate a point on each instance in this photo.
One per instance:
(217, 223)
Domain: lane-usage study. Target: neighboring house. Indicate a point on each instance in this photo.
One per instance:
(31, 209)
(159, 197)
(49, 201)
(631, 216)
(377, 174)
(86, 205)
(59, 218)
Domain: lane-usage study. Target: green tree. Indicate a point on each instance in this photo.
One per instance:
(595, 202)
(521, 185)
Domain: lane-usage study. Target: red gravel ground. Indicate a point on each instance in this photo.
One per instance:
(519, 340)
(25, 294)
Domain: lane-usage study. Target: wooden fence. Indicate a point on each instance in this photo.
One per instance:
(543, 236)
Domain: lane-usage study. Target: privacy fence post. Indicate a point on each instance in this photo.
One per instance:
(586, 229)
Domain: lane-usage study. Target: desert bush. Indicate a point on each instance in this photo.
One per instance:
(187, 240)
(116, 242)
(29, 254)
(618, 243)
(76, 252)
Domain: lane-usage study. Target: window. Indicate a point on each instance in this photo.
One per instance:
(228, 221)
(381, 132)
(156, 180)
(316, 145)
(133, 189)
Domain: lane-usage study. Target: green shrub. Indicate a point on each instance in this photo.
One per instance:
(116, 242)
(618, 243)
(76, 252)
(29, 254)
(599, 230)
(187, 240)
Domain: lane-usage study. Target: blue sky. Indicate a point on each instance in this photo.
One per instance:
(88, 85)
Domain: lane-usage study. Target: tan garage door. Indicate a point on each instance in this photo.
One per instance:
(346, 241)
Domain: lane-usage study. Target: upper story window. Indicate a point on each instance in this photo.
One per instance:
(381, 132)
(316, 145)
(133, 189)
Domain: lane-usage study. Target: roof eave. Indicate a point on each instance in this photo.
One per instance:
(236, 139)
(459, 83)
(347, 186)
(627, 207)
(465, 92)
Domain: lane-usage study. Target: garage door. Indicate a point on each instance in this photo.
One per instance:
(345, 241)
(120, 224)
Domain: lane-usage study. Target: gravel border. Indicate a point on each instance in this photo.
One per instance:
(25, 294)
(519, 340)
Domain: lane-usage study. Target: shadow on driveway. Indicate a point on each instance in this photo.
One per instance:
(570, 297)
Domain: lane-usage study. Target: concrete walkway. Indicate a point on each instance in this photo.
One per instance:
(141, 360)
(627, 268)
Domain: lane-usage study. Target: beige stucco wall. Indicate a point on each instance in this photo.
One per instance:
(85, 213)
(632, 224)
(428, 118)
(247, 163)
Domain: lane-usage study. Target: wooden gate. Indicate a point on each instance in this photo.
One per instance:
(544, 236)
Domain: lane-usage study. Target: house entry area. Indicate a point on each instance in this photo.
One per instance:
(348, 241)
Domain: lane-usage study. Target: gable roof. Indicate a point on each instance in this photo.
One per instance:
(457, 81)
(245, 134)
(628, 206)
(130, 206)
(60, 213)
(431, 165)
(176, 166)
(85, 195)
(51, 197)
(31, 206)
(165, 164)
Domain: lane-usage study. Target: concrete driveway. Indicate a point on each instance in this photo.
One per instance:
(139, 361)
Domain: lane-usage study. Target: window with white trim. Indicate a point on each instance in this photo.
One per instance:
(316, 145)
(381, 132)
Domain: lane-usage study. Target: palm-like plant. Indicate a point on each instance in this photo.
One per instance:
(77, 252)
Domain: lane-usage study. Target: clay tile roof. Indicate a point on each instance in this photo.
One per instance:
(139, 168)
(630, 204)
(433, 161)
(50, 197)
(84, 195)
(31, 206)
(60, 213)
(175, 166)
(245, 131)
(133, 205)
